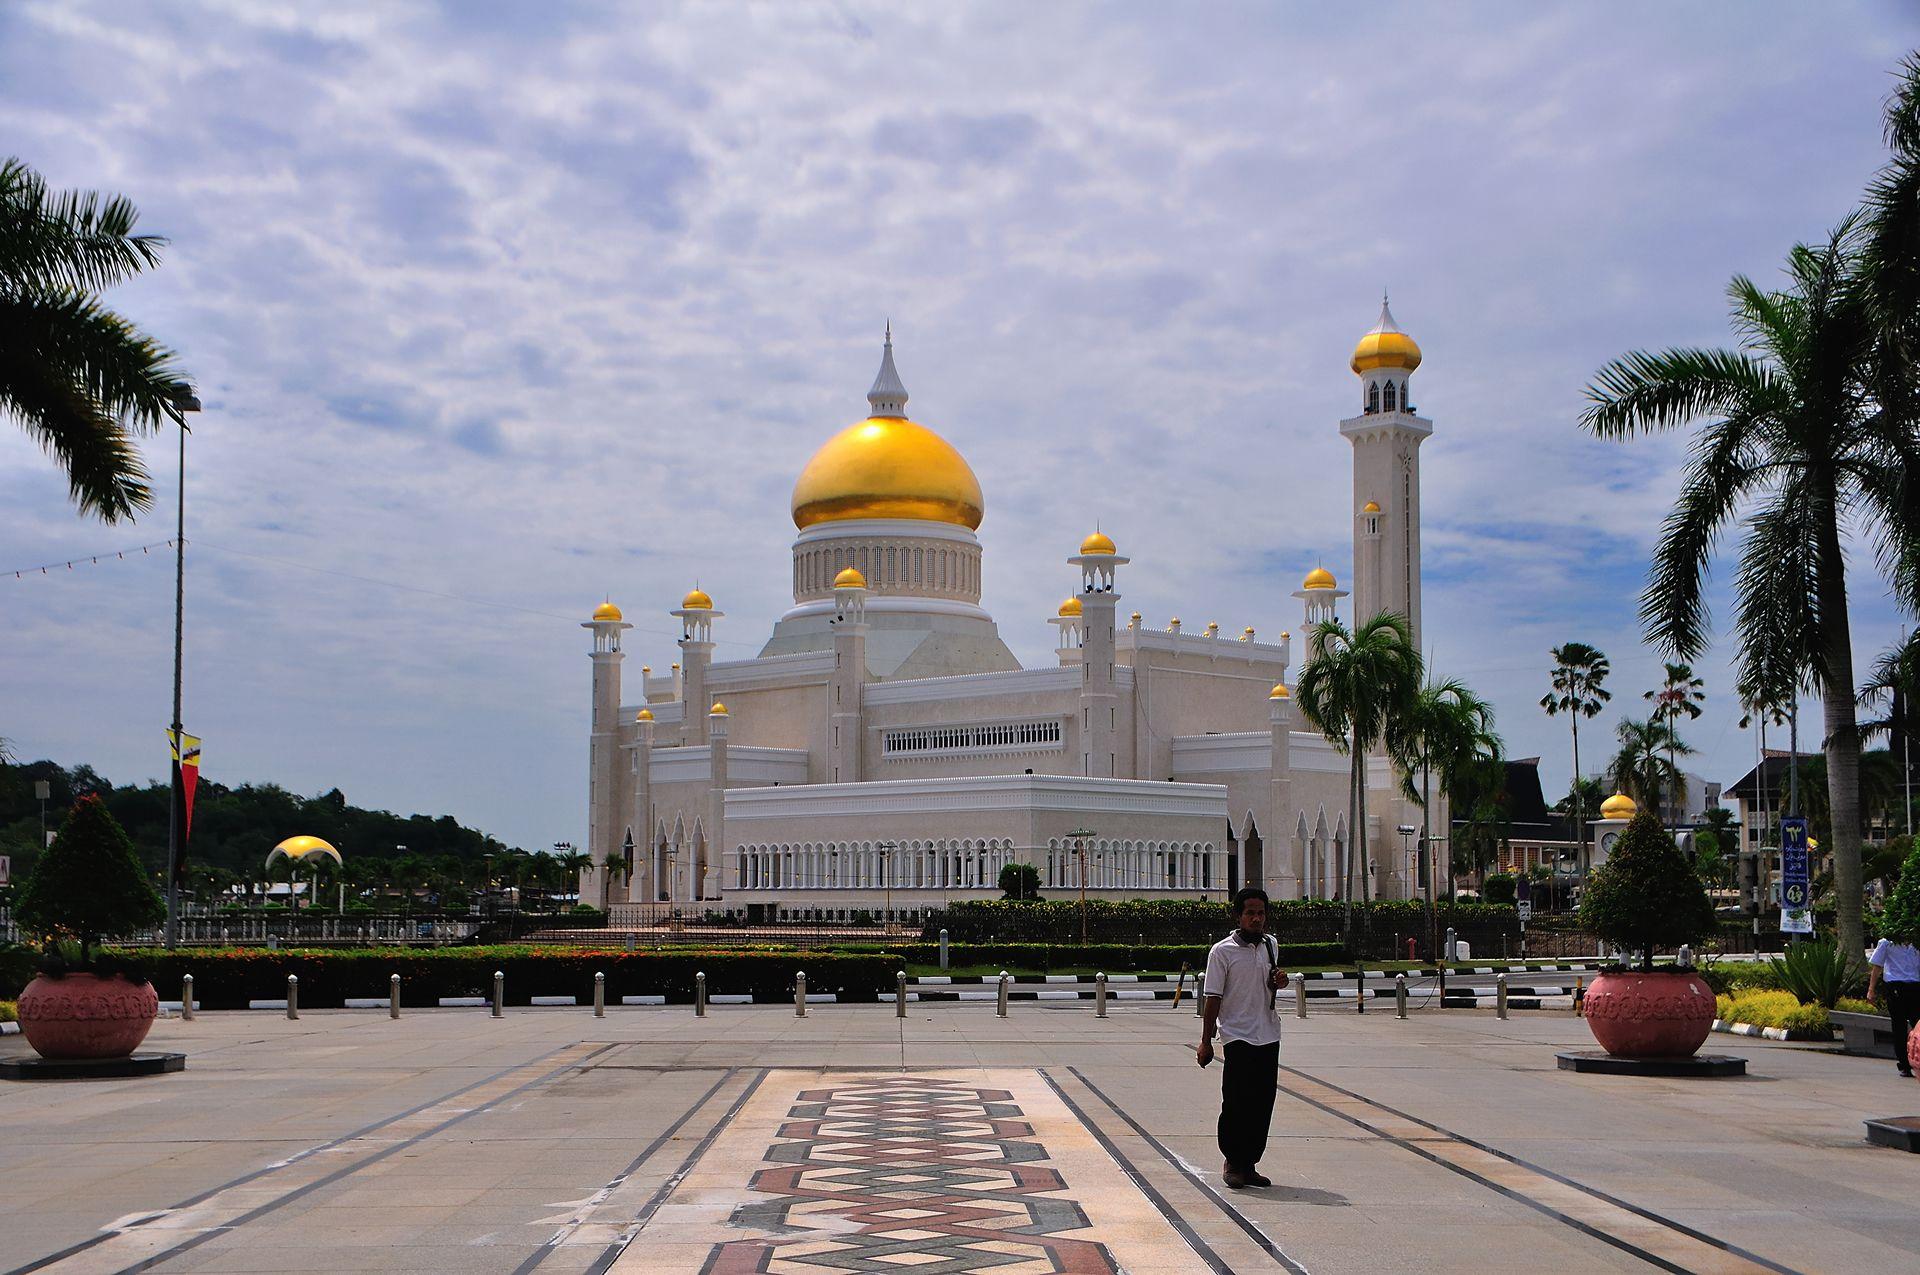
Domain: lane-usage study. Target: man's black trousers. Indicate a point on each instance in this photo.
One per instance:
(1247, 1079)
(1903, 1006)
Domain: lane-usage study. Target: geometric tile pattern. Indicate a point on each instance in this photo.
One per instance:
(908, 1173)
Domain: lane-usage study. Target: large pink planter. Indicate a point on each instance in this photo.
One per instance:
(86, 1016)
(1913, 1049)
(1662, 1015)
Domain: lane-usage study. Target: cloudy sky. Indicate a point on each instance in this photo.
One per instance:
(498, 309)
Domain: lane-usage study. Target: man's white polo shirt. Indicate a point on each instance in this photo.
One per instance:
(1237, 974)
(1898, 962)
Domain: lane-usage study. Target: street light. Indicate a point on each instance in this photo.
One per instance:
(184, 401)
(1080, 837)
(886, 849)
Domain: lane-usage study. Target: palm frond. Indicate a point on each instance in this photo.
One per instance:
(1642, 393)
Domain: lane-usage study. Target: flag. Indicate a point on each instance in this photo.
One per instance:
(186, 777)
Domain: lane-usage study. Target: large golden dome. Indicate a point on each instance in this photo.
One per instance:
(887, 467)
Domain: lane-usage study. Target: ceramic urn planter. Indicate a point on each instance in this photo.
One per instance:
(1913, 1049)
(1666, 1014)
(86, 1016)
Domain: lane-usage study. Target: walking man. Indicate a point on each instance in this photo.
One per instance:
(1243, 973)
(1895, 964)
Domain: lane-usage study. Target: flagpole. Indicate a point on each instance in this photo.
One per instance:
(184, 401)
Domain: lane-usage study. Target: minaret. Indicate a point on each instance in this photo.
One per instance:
(604, 786)
(713, 852)
(1069, 621)
(1283, 855)
(849, 673)
(1099, 702)
(1386, 439)
(641, 887)
(696, 616)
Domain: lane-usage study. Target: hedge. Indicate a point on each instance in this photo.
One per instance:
(1114, 957)
(228, 978)
(1376, 925)
(1774, 1009)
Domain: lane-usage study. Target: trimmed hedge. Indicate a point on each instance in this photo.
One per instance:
(229, 978)
(1185, 921)
(1113, 957)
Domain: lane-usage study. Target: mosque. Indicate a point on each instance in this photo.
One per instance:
(886, 753)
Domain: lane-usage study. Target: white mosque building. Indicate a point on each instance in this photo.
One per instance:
(886, 753)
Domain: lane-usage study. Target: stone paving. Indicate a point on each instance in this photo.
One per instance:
(951, 1140)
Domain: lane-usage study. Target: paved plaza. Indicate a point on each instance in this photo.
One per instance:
(951, 1140)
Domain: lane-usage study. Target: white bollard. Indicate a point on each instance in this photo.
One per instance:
(900, 994)
(799, 993)
(599, 995)
(1003, 993)
(186, 997)
(293, 996)
(700, 994)
(1500, 996)
(1400, 996)
(1100, 995)
(393, 996)
(1299, 996)
(499, 993)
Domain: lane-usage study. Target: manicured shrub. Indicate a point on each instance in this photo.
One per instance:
(1762, 1009)
(89, 884)
(1142, 921)
(1112, 957)
(1723, 1008)
(1500, 888)
(1646, 896)
(1807, 1020)
(1856, 1005)
(9, 1012)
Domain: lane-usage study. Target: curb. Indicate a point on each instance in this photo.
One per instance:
(9, 1029)
(1767, 1033)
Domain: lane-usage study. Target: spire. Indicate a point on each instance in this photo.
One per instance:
(888, 397)
(1386, 323)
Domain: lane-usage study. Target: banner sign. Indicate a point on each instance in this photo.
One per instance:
(1796, 880)
(186, 772)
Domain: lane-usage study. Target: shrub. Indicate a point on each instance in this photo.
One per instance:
(9, 1012)
(1020, 882)
(1738, 976)
(1112, 957)
(1646, 895)
(1500, 888)
(1141, 921)
(1901, 921)
(1819, 972)
(1762, 1009)
(16, 969)
(1723, 1008)
(1855, 1005)
(1807, 1020)
(89, 884)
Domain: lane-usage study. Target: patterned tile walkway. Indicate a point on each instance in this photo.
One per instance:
(931, 1172)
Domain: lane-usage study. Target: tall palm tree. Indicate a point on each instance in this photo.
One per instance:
(1796, 454)
(1443, 731)
(1355, 685)
(80, 379)
(1579, 690)
(576, 866)
(1645, 767)
(1680, 695)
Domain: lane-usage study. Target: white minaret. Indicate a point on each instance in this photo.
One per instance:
(604, 782)
(642, 887)
(849, 678)
(696, 616)
(1099, 701)
(1386, 439)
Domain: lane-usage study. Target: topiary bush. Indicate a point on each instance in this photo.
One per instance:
(89, 884)
(1901, 921)
(1646, 896)
(1500, 889)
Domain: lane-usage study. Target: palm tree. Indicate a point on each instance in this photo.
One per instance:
(575, 864)
(1680, 693)
(1579, 690)
(1794, 450)
(80, 379)
(1443, 731)
(1476, 799)
(1645, 768)
(1355, 686)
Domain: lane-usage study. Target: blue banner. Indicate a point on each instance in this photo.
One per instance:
(1796, 879)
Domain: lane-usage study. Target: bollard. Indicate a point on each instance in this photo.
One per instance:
(1579, 995)
(630, 942)
(1399, 995)
(1100, 995)
(599, 994)
(1199, 997)
(1299, 996)
(499, 993)
(700, 994)
(799, 993)
(293, 996)
(943, 949)
(393, 996)
(1360, 978)
(1683, 959)
(900, 994)
(1003, 993)
(1500, 996)
(1450, 953)
(186, 997)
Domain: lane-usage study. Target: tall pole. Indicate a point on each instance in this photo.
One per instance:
(1080, 837)
(184, 401)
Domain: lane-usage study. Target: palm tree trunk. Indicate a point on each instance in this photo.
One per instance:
(1346, 868)
(1843, 741)
(1579, 799)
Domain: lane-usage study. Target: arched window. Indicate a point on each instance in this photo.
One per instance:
(1373, 397)
(1391, 394)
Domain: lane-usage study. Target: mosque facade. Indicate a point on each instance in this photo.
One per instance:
(886, 753)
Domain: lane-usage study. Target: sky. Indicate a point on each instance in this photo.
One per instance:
(497, 310)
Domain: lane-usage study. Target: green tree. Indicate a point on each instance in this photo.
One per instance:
(1681, 694)
(1644, 768)
(1645, 896)
(81, 379)
(1579, 690)
(1019, 881)
(1356, 685)
(1445, 730)
(90, 884)
(1902, 920)
(1476, 797)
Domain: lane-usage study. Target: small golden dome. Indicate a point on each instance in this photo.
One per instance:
(1279, 691)
(850, 578)
(606, 611)
(1385, 346)
(1098, 542)
(1246, 634)
(696, 600)
(1319, 578)
(1070, 607)
(718, 709)
(1618, 806)
(644, 715)
(1370, 508)
(887, 467)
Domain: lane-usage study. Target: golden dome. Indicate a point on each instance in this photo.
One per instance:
(1279, 691)
(606, 611)
(644, 715)
(718, 709)
(1319, 578)
(696, 600)
(887, 467)
(1618, 806)
(1385, 346)
(303, 850)
(850, 578)
(1070, 607)
(1098, 542)
(1370, 508)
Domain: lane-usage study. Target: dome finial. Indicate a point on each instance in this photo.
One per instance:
(888, 397)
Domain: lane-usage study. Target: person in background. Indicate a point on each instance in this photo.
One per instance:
(1895, 965)
(1243, 973)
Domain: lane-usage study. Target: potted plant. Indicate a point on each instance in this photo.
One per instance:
(88, 886)
(1645, 897)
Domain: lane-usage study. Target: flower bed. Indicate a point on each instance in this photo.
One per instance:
(1771, 1012)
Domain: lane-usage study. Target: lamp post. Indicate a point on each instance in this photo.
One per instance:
(1080, 837)
(886, 849)
(43, 790)
(1406, 831)
(184, 401)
